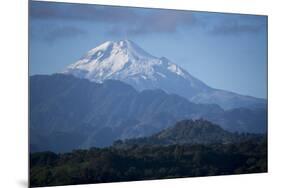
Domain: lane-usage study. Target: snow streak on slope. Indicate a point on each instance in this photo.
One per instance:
(125, 61)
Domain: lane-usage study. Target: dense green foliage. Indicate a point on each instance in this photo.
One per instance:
(147, 162)
(190, 132)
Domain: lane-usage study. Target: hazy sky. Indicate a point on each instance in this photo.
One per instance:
(226, 51)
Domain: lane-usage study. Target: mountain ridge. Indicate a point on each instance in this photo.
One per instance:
(103, 112)
(124, 60)
(192, 132)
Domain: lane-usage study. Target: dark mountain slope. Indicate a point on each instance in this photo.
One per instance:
(68, 113)
(190, 132)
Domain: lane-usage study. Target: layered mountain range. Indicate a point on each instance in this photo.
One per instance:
(67, 113)
(119, 91)
(126, 61)
(187, 149)
(121, 114)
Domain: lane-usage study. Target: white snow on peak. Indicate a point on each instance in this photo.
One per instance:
(120, 60)
(126, 61)
(174, 68)
(126, 47)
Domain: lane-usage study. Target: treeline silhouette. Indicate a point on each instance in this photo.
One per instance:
(143, 162)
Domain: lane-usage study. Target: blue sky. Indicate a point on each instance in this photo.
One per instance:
(226, 51)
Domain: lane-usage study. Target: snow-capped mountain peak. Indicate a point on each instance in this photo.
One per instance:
(125, 61)
(124, 47)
